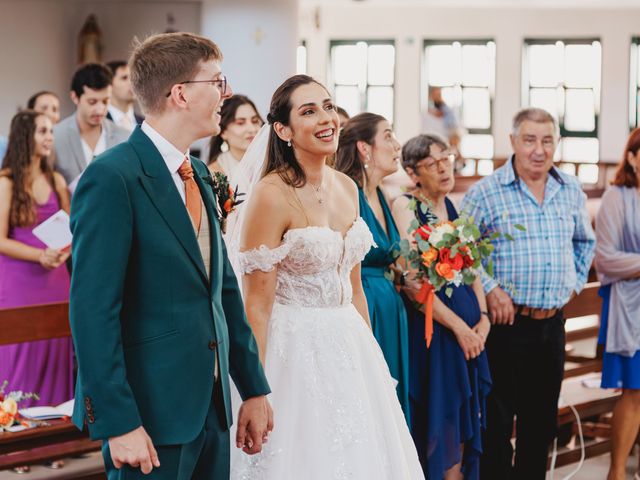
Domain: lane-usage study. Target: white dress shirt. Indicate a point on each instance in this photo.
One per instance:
(172, 157)
(126, 120)
(101, 146)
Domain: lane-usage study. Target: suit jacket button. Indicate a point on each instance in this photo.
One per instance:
(212, 345)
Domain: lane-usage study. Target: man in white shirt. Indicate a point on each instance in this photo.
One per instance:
(86, 133)
(122, 98)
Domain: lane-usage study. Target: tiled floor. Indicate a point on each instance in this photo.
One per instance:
(594, 469)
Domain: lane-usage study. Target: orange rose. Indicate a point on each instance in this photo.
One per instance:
(445, 271)
(228, 205)
(429, 256)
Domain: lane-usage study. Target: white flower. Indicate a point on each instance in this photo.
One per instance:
(463, 238)
(438, 233)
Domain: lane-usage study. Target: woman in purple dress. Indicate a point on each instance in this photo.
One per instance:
(31, 273)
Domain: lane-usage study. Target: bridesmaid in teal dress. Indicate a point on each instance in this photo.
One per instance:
(368, 152)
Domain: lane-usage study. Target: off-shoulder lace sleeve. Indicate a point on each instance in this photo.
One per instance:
(262, 258)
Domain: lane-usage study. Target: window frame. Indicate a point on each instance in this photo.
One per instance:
(526, 85)
(634, 83)
(492, 82)
(363, 92)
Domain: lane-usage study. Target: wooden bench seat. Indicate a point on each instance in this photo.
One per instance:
(61, 438)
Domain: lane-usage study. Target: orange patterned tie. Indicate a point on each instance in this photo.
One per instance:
(192, 193)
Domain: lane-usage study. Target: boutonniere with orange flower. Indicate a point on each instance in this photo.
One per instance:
(9, 415)
(227, 198)
(446, 254)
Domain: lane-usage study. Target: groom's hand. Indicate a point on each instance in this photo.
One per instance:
(134, 448)
(255, 421)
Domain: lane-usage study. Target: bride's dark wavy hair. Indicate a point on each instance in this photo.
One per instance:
(280, 157)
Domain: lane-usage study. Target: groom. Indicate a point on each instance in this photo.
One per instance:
(157, 319)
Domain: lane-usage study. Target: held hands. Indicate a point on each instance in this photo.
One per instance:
(255, 422)
(134, 448)
(482, 328)
(470, 341)
(51, 258)
(500, 307)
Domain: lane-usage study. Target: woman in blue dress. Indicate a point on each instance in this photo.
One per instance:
(368, 152)
(618, 265)
(450, 380)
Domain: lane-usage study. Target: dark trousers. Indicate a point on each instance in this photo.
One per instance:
(204, 458)
(527, 365)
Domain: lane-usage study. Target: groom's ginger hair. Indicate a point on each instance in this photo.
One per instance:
(162, 61)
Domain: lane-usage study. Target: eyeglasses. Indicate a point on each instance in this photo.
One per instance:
(221, 83)
(431, 164)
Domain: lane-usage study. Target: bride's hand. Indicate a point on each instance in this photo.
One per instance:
(255, 422)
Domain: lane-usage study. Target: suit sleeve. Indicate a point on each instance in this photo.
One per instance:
(101, 223)
(244, 361)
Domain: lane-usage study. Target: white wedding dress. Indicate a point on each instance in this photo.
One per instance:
(336, 412)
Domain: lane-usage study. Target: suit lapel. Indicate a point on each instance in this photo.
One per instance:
(159, 186)
(75, 144)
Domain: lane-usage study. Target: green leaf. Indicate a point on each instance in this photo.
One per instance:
(522, 228)
(388, 274)
(448, 292)
(413, 226)
(423, 245)
(509, 237)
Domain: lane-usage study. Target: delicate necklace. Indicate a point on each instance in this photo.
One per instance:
(317, 191)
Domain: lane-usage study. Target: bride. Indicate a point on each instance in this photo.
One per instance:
(336, 412)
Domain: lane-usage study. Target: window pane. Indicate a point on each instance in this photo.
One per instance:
(545, 65)
(349, 63)
(301, 59)
(381, 64)
(477, 146)
(349, 99)
(476, 112)
(547, 99)
(452, 96)
(485, 167)
(469, 168)
(476, 65)
(576, 149)
(580, 112)
(582, 66)
(638, 64)
(569, 168)
(443, 64)
(588, 173)
(380, 101)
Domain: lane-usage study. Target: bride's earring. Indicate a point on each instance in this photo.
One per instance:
(289, 143)
(224, 147)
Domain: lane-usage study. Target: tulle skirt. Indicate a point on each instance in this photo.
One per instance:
(336, 412)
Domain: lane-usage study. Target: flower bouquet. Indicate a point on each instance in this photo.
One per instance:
(9, 406)
(447, 254)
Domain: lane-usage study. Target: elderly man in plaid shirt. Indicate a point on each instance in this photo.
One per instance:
(535, 276)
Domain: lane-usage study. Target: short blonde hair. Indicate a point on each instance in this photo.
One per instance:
(163, 60)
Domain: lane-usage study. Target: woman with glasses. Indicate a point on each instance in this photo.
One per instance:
(450, 380)
(368, 152)
(239, 124)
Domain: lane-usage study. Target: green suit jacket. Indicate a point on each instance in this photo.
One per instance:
(147, 323)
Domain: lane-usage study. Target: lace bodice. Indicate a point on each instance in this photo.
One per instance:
(314, 264)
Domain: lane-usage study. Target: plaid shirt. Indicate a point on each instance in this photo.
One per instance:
(551, 259)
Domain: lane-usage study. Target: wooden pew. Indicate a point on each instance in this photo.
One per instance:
(61, 439)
